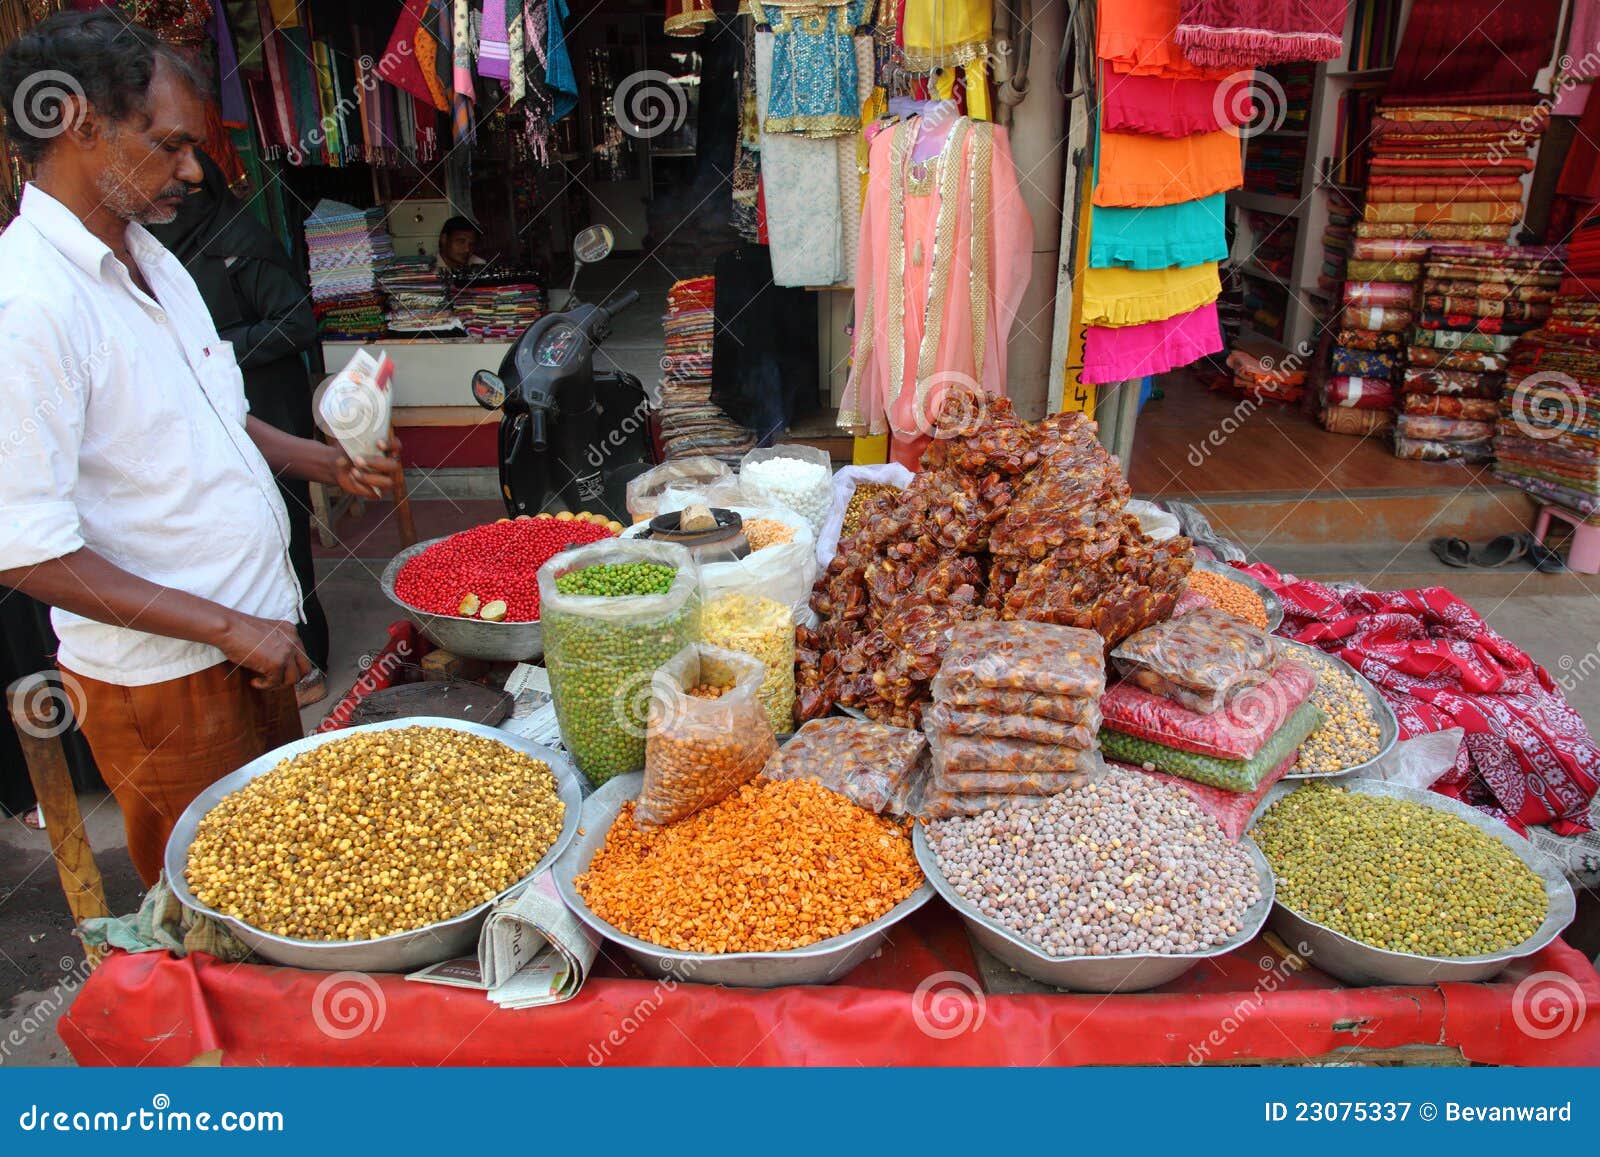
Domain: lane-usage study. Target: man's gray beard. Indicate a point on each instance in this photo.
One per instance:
(118, 196)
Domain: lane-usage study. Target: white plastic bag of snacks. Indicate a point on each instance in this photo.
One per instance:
(870, 764)
(749, 606)
(845, 483)
(613, 612)
(1199, 660)
(708, 733)
(644, 492)
(353, 406)
(799, 477)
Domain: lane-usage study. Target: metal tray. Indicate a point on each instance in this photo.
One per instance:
(1273, 604)
(1388, 725)
(402, 951)
(1127, 972)
(1356, 963)
(471, 638)
(819, 963)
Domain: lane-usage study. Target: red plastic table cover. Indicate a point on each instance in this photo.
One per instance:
(916, 1003)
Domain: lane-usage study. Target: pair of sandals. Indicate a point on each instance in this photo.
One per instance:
(1505, 549)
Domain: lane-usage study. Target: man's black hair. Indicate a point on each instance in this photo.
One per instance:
(459, 225)
(99, 54)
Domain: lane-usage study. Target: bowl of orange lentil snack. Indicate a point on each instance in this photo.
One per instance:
(1240, 594)
(779, 883)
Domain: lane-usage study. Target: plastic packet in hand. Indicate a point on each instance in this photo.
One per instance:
(698, 750)
(353, 406)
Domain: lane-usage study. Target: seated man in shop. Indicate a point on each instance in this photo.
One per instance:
(457, 242)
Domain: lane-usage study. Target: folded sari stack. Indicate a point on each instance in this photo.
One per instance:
(1473, 300)
(691, 423)
(345, 247)
(1368, 355)
(1547, 438)
(1450, 172)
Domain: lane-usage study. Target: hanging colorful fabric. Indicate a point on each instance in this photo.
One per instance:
(945, 258)
(1250, 33)
(1137, 351)
(408, 61)
(1182, 234)
(494, 48)
(1168, 106)
(235, 111)
(558, 75)
(814, 68)
(944, 33)
(1138, 170)
(688, 18)
(1137, 36)
(1120, 297)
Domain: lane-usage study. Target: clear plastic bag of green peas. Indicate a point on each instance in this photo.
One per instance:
(613, 612)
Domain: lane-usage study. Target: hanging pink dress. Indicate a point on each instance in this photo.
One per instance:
(946, 249)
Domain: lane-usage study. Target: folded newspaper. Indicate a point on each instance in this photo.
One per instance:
(532, 952)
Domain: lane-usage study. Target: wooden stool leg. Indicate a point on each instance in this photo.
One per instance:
(402, 510)
(38, 706)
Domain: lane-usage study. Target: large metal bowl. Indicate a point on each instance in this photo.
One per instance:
(819, 963)
(1388, 725)
(403, 951)
(1125, 972)
(471, 638)
(1271, 601)
(1356, 963)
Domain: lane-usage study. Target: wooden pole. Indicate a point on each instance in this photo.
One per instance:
(402, 510)
(40, 711)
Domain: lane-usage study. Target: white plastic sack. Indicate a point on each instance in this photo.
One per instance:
(1154, 521)
(844, 488)
(1420, 761)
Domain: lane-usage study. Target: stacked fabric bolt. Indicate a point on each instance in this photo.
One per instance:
(1547, 438)
(345, 248)
(497, 307)
(691, 423)
(1450, 172)
(1368, 359)
(1475, 298)
(415, 298)
(1439, 173)
(1336, 243)
(1015, 712)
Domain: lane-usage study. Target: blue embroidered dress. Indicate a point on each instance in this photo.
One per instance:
(814, 71)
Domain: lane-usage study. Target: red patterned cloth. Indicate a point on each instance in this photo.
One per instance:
(1527, 758)
(1472, 51)
(1251, 33)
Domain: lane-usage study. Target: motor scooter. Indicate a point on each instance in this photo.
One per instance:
(570, 437)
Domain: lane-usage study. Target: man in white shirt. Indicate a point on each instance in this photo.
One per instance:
(137, 497)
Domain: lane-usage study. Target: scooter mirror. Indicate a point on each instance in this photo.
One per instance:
(593, 244)
(488, 390)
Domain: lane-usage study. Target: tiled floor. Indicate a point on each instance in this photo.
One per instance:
(1196, 442)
